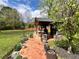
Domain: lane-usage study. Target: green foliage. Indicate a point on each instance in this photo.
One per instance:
(18, 47)
(75, 48)
(62, 43)
(9, 14)
(51, 44)
(30, 25)
(31, 35)
(24, 39)
(75, 44)
(67, 12)
(18, 57)
(10, 19)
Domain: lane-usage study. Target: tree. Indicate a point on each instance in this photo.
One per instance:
(66, 11)
(9, 15)
(10, 18)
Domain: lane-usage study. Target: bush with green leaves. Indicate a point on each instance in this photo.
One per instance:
(67, 12)
(31, 35)
(30, 25)
(75, 49)
(18, 47)
(10, 19)
(75, 45)
(62, 44)
(24, 39)
(19, 57)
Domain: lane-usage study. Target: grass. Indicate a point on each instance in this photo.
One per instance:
(8, 39)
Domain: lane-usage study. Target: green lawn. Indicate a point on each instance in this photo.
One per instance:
(8, 39)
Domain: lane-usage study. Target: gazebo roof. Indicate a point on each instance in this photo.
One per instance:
(43, 20)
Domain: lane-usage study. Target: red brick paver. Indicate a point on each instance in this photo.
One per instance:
(34, 49)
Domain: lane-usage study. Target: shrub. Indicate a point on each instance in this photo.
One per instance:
(18, 57)
(24, 39)
(75, 48)
(31, 35)
(18, 47)
(62, 44)
(30, 25)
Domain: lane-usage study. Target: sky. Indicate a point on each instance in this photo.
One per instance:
(27, 8)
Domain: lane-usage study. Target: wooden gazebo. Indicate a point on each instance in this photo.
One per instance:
(42, 23)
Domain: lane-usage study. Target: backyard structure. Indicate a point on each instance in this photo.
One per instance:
(44, 26)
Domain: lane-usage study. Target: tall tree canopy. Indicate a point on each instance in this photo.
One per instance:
(66, 11)
(9, 18)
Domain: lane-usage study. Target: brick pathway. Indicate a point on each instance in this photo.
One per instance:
(33, 49)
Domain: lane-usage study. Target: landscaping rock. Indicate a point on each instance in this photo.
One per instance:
(14, 54)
